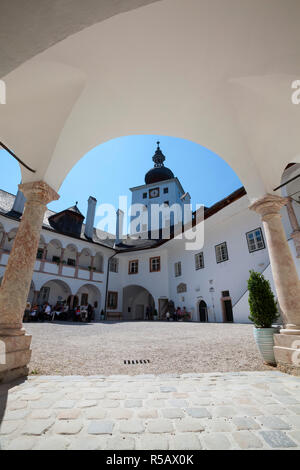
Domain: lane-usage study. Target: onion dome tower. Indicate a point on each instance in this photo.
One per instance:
(159, 172)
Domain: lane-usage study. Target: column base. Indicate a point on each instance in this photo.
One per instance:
(14, 374)
(287, 353)
(15, 354)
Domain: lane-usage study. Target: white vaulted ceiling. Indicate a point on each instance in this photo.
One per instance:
(217, 72)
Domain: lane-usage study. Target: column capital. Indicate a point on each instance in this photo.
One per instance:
(39, 192)
(269, 205)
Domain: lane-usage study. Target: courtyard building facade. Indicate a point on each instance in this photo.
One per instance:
(76, 265)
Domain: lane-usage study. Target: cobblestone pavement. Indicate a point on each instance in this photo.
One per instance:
(241, 410)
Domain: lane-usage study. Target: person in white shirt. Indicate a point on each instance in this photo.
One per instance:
(47, 311)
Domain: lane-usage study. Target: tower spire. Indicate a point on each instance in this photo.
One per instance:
(158, 157)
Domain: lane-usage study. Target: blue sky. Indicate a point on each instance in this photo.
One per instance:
(110, 169)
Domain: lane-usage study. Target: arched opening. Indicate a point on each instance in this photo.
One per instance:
(54, 292)
(54, 250)
(89, 294)
(85, 259)
(70, 254)
(137, 302)
(31, 294)
(10, 239)
(98, 263)
(41, 248)
(203, 313)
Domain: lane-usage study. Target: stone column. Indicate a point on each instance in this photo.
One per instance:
(295, 226)
(43, 260)
(285, 278)
(92, 265)
(62, 254)
(17, 278)
(71, 302)
(35, 297)
(77, 265)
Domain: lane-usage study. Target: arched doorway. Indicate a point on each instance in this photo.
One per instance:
(54, 291)
(136, 299)
(88, 294)
(202, 308)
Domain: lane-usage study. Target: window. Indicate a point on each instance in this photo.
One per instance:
(221, 252)
(133, 267)
(155, 264)
(112, 300)
(181, 288)
(166, 190)
(39, 254)
(144, 195)
(114, 265)
(255, 240)
(84, 299)
(199, 261)
(55, 259)
(71, 262)
(177, 267)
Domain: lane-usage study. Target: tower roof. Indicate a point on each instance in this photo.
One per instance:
(159, 172)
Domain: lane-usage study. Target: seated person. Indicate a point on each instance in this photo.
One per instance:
(26, 316)
(34, 313)
(47, 311)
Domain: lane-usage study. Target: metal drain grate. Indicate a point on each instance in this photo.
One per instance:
(136, 361)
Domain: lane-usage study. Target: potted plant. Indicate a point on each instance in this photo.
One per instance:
(263, 313)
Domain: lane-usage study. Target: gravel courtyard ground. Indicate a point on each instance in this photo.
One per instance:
(102, 348)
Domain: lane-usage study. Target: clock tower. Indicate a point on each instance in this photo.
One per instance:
(161, 189)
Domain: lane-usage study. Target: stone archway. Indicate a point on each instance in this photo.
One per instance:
(53, 291)
(136, 299)
(224, 103)
(89, 294)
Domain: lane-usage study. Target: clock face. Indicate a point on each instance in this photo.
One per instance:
(154, 192)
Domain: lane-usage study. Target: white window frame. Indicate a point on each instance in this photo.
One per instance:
(177, 269)
(155, 264)
(135, 263)
(199, 260)
(114, 265)
(221, 252)
(255, 242)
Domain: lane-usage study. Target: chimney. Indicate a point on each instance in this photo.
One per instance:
(119, 227)
(19, 202)
(90, 217)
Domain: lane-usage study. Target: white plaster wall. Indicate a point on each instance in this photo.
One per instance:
(230, 225)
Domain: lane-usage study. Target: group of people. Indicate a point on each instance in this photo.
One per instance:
(177, 314)
(61, 311)
(172, 313)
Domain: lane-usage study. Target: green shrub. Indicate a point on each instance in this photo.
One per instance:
(263, 307)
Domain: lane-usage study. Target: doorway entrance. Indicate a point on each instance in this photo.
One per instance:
(203, 317)
(136, 301)
(228, 311)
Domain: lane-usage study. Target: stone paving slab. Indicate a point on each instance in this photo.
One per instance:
(243, 410)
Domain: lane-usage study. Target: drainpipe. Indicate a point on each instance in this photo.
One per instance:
(107, 280)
